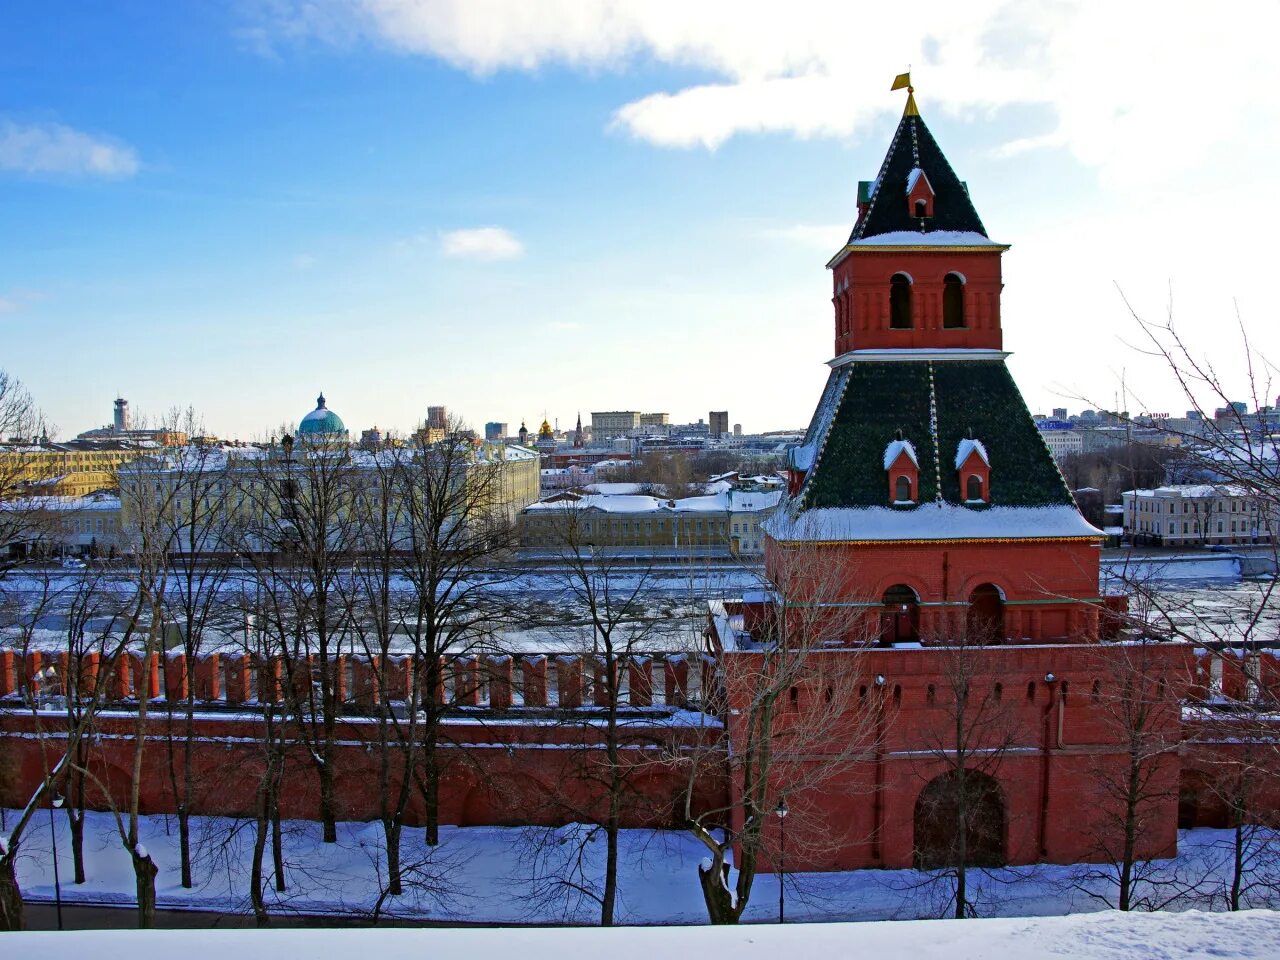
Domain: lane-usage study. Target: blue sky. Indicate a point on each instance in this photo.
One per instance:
(560, 206)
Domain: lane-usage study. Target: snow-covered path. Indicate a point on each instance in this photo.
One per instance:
(511, 875)
(1252, 935)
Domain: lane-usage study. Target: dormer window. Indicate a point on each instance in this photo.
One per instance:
(974, 470)
(903, 467)
(919, 194)
(900, 302)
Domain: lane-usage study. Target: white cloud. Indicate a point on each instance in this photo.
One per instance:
(16, 300)
(481, 243)
(1124, 88)
(55, 148)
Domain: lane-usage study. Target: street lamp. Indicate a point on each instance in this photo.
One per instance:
(782, 812)
(55, 803)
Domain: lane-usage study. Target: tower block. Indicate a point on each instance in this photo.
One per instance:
(922, 485)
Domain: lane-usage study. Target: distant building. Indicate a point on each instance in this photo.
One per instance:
(1060, 436)
(1196, 514)
(737, 429)
(121, 417)
(654, 419)
(437, 418)
(719, 422)
(495, 430)
(605, 425)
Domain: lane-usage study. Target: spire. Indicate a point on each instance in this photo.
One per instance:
(914, 149)
(320, 401)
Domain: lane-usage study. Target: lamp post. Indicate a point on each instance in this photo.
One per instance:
(782, 812)
(55, 803)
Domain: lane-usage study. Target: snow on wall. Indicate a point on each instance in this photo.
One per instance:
(930, 521)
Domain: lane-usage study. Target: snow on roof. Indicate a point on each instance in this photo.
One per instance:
(914, 177)
(934, 238)
(729, 501)
(966, 447)
(613, 489)
(1193, 490)
(897, 448)
(929, 522)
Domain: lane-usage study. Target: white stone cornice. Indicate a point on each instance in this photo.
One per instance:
(913, 355)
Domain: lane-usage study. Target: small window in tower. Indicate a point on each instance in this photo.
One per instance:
(922, 208)
(953, 302)
(900, 302)
(902, 490)
(973, 488)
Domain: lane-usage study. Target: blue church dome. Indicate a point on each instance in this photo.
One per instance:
(322, 421)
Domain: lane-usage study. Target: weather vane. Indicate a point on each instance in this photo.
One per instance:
(904, 80)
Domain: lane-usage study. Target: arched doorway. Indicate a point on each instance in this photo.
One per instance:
(960, 819)
(986, 614)
(900, 616)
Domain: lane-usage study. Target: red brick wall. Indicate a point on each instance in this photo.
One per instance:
(1053, 747)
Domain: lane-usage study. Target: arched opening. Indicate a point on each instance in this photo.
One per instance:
(973, 489)
(922, 208)
(900, 616)
(986, 614)
(959, 821)
(953, 301)
(900, 302)
(902, 490)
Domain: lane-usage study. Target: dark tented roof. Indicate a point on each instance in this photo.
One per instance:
(869, 402)
(913, 146)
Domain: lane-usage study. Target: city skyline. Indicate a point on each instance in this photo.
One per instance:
(234, 207)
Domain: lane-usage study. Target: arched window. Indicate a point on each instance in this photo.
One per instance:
(900, 302)
(922, 208)
(973, 488)
(902, 490)
(953, 301)
(899, 616)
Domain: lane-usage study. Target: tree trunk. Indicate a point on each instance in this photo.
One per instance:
(392, 830)
(184, 844)
(255, 867)
(431, 795)
(715, 891)
(328, 804)
(144, 872)
(277, 841)
(610, 873)
(75, 824)
(10, 895)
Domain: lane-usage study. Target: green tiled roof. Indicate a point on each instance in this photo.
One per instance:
(913, 146)
(880, 399)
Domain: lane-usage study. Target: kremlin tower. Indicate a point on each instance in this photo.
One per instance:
(922, 475)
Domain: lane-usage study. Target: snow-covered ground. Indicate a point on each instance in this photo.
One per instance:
(512, 875)
(1252, 935)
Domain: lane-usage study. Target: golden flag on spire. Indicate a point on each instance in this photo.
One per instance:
(901, 80)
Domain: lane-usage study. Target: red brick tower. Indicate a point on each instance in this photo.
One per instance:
(922, 476)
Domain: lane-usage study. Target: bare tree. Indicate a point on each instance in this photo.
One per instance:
(613, 632)
(300, 535)
(798, 711)
(974, 728)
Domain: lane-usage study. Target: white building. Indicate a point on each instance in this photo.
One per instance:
(1196, 514)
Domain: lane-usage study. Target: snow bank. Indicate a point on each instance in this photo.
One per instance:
(1103, 936)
